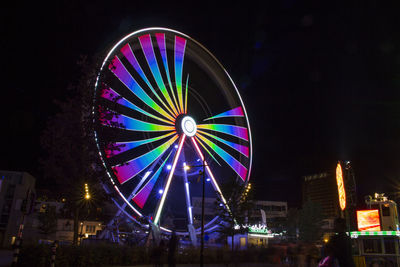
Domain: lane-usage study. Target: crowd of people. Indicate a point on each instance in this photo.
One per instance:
(335, 253)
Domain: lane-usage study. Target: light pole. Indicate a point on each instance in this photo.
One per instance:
(202, 217)
(203, 172)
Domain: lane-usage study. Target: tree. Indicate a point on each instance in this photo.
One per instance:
(240, 205)
(48, 221)
(71, 158)
(310, 222)
(292, 224)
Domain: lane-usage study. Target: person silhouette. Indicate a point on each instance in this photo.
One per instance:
(172, 245)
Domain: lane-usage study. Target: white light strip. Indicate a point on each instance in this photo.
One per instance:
(188, 202)
(127, 202)
(178, 152)
(216, 187)
(264, 236)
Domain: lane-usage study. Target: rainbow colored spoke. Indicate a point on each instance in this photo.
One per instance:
(208, 151)
(131, 168)
(147, 47)
(169, 178)
(163, 51)
(131, 124)
(125, 146)
(126, 78)
(240, 148)
(113, 96)
(130, 56)
(231, 161)
(186, 93)
(141, 197)
(180, 46)
(236, 112)
(240, 132)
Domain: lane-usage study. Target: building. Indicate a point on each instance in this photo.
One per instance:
(387, 210)
(16, 191)
(321, 188)
(269, 209)
(60, 228)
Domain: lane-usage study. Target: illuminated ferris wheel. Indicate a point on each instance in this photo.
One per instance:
(163, 105)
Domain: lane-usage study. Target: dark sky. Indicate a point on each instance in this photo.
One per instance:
(320, 80)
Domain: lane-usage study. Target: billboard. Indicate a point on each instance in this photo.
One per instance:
(368, 220)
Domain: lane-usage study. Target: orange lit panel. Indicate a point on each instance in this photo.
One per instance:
(368, 220)
(340, 185)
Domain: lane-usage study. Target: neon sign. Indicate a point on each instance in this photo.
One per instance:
(368, 220)
(340, 185)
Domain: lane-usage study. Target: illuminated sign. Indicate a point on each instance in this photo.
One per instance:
(356, 234)
(259, 229)
(340, 185)
(368, 220)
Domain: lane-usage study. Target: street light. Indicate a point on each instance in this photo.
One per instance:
(87, 195)
(203, 172)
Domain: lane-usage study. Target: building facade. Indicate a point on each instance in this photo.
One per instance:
(16, 189)
(321, 188)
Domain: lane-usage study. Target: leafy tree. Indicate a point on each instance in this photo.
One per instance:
(240, 206)
(71, 158)
(48, 221)
(310, 222)
(292, 224)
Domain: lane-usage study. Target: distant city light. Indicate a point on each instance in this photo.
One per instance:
(176, 146)
(208, 179)
(160, 191)
(169, 166)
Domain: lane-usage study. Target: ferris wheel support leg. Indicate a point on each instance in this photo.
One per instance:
(164, 195)
(214, 182)
(191, 230)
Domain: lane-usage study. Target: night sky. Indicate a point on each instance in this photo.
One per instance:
(320, 81)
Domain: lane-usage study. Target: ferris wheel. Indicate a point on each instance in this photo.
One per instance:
(163, 106)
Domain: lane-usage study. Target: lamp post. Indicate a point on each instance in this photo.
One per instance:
(202, 217)
(203, 172)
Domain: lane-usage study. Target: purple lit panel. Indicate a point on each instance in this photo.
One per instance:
(180, 45)
(141, 197)
(134, 166)
(126, 78)
(242, 149)
(125, 146)
(237, 131)
(163, 51)
(236, 112)
(127, 123)
(232, 162)
(145, 42)
(113, 96)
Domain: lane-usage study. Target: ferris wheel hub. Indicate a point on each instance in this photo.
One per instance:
(188, 126)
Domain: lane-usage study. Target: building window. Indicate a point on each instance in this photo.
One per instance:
(390, 247)
(90, 228)
(385, 211)
(372, 246)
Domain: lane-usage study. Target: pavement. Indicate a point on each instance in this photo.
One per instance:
(219, 265)
(5, 257)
